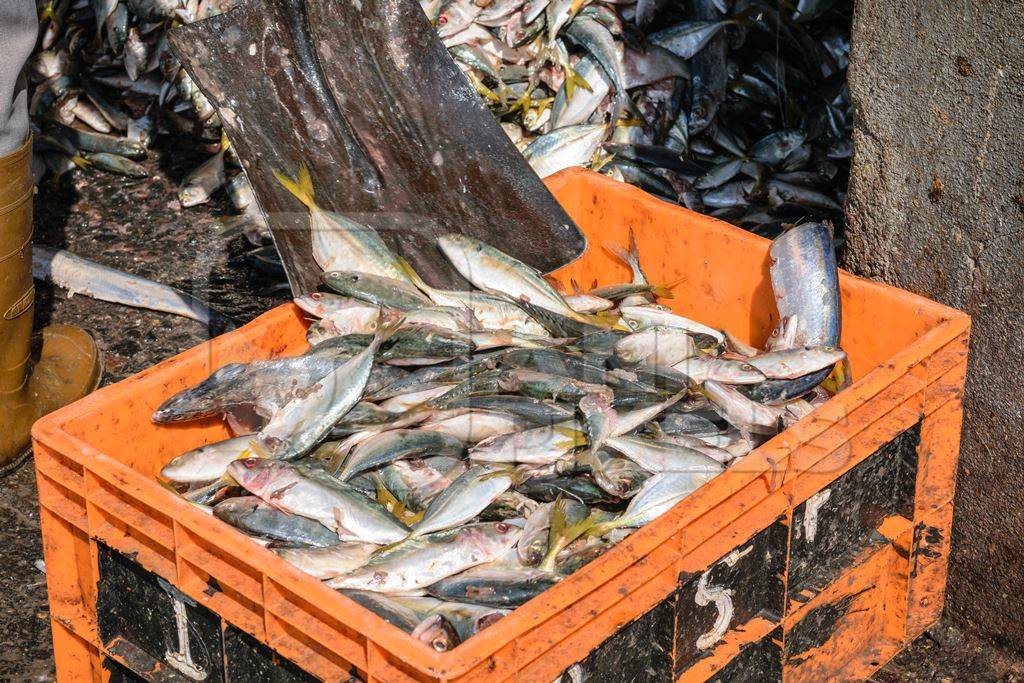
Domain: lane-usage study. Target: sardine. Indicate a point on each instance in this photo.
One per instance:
(330, 562)
(341, 244)
(316, 495)
(307, 419)
(424, 560)
(464, 499)
(253, 516)
(398, 444)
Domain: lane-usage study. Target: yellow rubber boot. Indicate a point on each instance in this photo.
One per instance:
(68, 366)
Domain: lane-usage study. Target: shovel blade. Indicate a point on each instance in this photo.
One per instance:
(365, 95)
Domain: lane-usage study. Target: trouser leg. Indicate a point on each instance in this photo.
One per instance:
(18, 28)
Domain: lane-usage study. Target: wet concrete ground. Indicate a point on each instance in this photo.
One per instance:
(137, 226)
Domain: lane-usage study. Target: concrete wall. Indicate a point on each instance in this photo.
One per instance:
(936, 206)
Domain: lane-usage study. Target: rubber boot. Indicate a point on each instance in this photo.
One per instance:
(68, 366)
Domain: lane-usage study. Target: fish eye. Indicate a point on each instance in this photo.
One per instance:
(501, 527)
(442, 20)
(439, 645)
(632, 324)
(748, 367)
(249, 463)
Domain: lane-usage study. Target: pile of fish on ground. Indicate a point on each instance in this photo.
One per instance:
(441, 457)
(737, 108)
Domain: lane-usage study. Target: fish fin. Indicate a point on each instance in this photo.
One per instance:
(482, 89)
(225, 143)
(600, 160)
(573, 80)
(839, 378)
(555, 532)
(665, 291)
(575, 437)
(565, 534)
(231, 226)
(386, 498)
(301, 188)
(523, 103)
(555, 283)
(206, 492)
(80, 161)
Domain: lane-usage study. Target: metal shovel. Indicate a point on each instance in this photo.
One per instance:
(365, 95)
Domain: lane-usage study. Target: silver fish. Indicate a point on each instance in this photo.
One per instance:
(424, 560)
(328, 563)
(81, 276)
(316, 495)
(307, 419)
(467, 496)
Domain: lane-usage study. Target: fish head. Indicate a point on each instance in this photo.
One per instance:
(495, 538)
(259, 475)
(200, 400)
(737, 372)
(192, 195)
(623, 477)
(315, 303)
(485, 620)
(203, 464)
(233, 508)
(634, 348)
(437, 633)
(342, 278)
(456, 246)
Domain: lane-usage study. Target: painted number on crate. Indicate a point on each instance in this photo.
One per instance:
(738, 598)
(720, 597)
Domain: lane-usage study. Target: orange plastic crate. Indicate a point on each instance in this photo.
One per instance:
(820, 554)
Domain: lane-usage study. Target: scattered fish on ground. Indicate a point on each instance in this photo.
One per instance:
(81, 276)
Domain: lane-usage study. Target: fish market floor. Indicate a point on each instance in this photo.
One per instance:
(138, 226)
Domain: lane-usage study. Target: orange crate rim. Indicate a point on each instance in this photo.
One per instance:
(767, 466)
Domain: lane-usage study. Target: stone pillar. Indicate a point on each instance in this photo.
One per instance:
(936, 206)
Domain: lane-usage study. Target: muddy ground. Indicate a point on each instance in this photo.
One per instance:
(138, 226)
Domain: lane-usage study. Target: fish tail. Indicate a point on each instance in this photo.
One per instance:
(232, 225)
(562, 534)
(413, 276)
(634, 250)
(301, 187)
(555, 534)
(624, 255)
